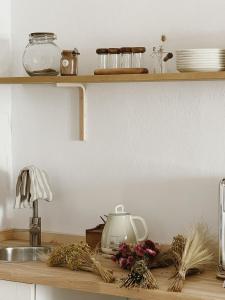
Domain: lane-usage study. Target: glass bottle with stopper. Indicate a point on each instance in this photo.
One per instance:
(160, 57)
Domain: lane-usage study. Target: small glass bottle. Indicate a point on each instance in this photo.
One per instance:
(102, 58)
(114, 58)
(126, 57)
(69, 62)
(137, 57)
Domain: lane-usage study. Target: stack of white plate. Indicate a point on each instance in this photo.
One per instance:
(200, 60)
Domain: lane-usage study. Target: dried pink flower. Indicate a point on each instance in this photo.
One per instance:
(150, 252)
(123, 262)
(149, 244)
(139, 250)
(130, 261)
(124, 249)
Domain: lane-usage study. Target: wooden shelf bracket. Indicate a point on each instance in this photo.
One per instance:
(82, 106)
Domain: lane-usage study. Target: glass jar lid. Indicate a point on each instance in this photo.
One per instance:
(114, 51)
(42, 36)
(73, 52)
(126, 50)
(138, 49)
(102, 51)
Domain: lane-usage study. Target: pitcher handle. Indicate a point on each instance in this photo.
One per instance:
(145, 235)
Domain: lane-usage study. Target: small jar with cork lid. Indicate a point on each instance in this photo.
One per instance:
(102, 58)
(114, 58)
(126, 57)
(137, 57)
(69, 62)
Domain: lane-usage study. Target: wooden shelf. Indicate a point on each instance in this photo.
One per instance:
(84, 79)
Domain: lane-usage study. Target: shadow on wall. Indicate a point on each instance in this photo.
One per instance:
(5, 199)
(169, 205)
(174, 204)
(5, 57)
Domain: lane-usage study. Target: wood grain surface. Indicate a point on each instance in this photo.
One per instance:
(199, 287)
(189, 76)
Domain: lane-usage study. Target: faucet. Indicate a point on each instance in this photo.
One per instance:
(35, 227)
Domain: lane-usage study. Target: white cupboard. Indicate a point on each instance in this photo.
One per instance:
(49, 293)
(10, 290)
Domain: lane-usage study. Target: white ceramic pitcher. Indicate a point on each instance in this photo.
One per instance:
(120, 227)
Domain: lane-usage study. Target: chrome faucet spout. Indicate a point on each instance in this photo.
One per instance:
(35, 227)
(35, 209)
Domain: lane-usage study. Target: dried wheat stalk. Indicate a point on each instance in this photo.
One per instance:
(196, 254)
(78, 257)
(177, 249)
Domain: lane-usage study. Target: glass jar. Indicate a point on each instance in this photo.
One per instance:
(69, 62)
(102, 58)
(42, 56)
(126, 57)
(137, 57)
(114, 58)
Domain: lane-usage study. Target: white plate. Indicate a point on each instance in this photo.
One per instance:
(217, 61)
(200, 52)
(201, 63)
(213, 50)
(200, 69)
(201, 57)
(201, 66)
(204, 62)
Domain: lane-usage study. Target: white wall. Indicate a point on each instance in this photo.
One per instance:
(6, 203)
(159, 148)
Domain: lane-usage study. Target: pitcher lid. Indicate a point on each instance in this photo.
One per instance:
(119, 210)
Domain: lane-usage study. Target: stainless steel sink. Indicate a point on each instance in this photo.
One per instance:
(22, 254)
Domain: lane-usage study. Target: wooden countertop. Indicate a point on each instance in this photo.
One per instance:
(204, 286)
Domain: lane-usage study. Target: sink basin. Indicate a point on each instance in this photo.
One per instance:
(22, 254)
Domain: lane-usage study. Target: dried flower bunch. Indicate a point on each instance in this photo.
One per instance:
(190, 255)
(78, 257)
(129, 254)
(140, 276)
